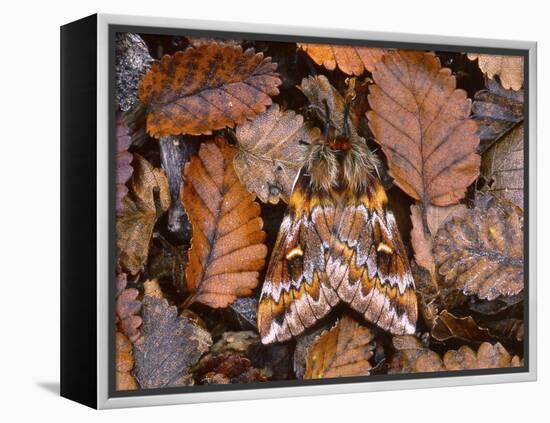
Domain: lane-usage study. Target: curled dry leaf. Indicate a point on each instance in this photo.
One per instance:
(481, 253)
(170, 344)
(422, 123)
(132, 60)
(127, 309)
(508, 68)
(413, 357)
(496, 111)
(345, 350)
(352, 60)
(510, 329)
(502, 167)
(123, 159)
(422, 238)
(271, 150)
(205, 88)
(135, 223)
(124, 363)
(448, 326)
(227, 251)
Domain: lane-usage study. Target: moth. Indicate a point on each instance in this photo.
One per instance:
(338, 242)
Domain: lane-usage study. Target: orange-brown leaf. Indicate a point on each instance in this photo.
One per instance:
(413, 357)
(227, 251)
(508, 68)
(422, 123)
(205, 88)
(352, 60)
(345, 350)
(124, 363)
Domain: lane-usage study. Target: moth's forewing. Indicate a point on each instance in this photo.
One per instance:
(367, 263)
(295, 292)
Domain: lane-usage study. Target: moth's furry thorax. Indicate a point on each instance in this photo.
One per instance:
(351, 168)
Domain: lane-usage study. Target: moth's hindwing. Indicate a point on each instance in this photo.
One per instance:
(295, 292)
(367, 263)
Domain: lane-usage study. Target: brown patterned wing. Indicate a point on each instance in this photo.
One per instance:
(367, 263)
(296, 292)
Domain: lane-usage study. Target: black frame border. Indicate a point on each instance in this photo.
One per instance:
(114, 28)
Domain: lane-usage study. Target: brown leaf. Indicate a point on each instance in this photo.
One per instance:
(413, 357)
(352, 60)
(228, 368)
(124, 363)
(422, 123)
(482, 252)
(127, 309)
(345, 350)
(508, 68)
(135, 223)
(270, 152)
(205, 88)
(227, 251)
(487, 357)
(170, 344)
(497, 111)
(448, 326)
(422, 238)
(502, 167)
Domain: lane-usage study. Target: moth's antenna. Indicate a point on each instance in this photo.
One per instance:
(347, 129)
(326, 130)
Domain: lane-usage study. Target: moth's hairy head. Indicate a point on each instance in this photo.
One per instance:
(322, 165)
(359, 164)
(352, 168)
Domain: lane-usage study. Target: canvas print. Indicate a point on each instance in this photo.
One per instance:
(296, 211)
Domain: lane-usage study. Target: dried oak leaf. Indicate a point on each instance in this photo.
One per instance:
(413, 357)
(124, 363)
(352, 60)
(422, 238)
(227, 250)
(205, 88)
(149, 198)
(502, 167)
(422, 123)
(170, 344)
(508, 68)
(481, 253)
(271, 149)
(127, 308)
(496, 111)
(345, 350)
